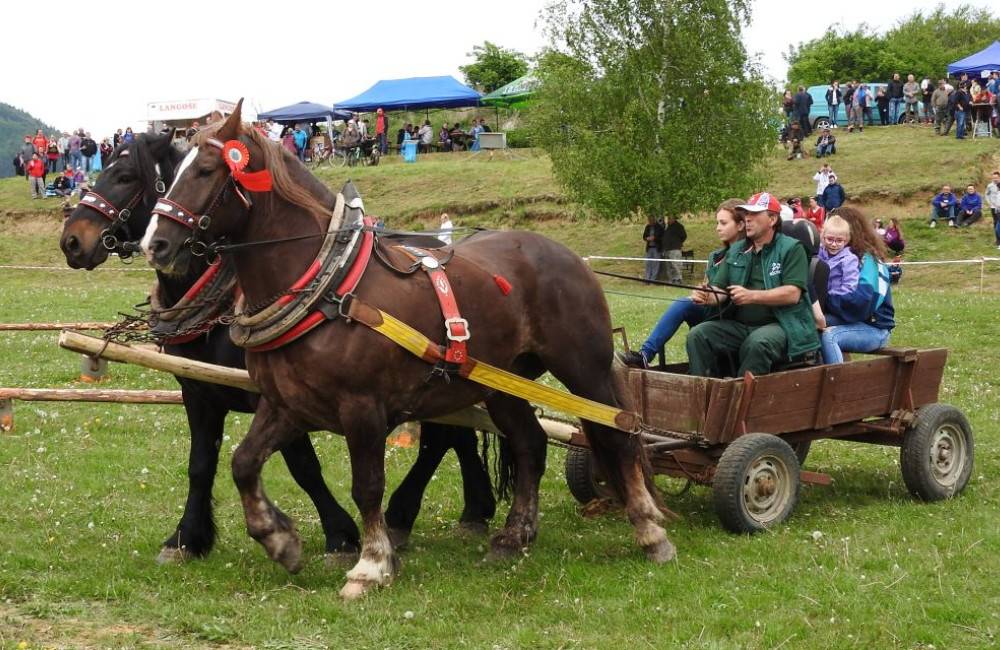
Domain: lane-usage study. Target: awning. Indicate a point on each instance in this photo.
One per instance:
(304, 112)
(186, 109)
(415, 93)
(975, 64)
(515, 93)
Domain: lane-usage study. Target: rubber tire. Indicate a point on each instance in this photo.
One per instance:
(731, 475)
(822, 123)
(914, 455)
(337, 159)
(583, 484)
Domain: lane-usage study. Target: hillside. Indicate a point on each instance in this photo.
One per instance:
(14, 125)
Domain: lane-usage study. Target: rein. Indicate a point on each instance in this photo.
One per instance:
(708, 289)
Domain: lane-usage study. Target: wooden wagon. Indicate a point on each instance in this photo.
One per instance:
(748, 437)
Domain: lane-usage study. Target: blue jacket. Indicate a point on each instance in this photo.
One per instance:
(870, 303)
(300, 138)
(972, 202)
(936, 201)
(833, 196)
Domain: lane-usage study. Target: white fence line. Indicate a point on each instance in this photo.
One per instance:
(19, 267)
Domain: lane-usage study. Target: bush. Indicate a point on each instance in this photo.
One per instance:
(518, 138)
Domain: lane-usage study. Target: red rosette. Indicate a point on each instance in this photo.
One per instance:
(236, 155)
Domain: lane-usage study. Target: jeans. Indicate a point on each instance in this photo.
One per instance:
(652, 267)
(679, 311)
(941, 119)
(996, 224)
(673, 268)
(856, 337)
(894, 103)
(969, 219)
(52, 165)
(832, 110)
(937, 212)
(824, 150)
(959, 124)
(383, 143)
(37, 186)
(883, 115)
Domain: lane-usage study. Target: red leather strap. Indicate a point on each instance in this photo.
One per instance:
(456, 328)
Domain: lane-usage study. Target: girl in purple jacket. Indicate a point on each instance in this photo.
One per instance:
(835, 251)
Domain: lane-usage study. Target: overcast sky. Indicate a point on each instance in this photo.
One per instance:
(96, 65)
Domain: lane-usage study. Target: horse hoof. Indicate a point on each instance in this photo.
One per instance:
(355, 589)
(473, 528)
(285, 548)
(340, 559)
(399, 538)
(660, 552)
(172, 555)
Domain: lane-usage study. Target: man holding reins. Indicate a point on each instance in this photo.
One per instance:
(770, 320)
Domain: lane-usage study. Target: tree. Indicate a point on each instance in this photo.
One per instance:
(919, 44)
(651, 105)
(493, 67)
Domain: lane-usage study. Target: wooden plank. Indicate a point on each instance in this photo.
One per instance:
(927, 376)
(674, 402)
(48, 327)
(92, 395)
(827, 388)
(721, 412)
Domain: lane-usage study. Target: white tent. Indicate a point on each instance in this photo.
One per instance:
(181, 113)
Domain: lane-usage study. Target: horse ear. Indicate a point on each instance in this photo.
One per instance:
(231, 128)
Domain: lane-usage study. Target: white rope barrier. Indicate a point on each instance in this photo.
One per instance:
(978, 260)
(18, 267)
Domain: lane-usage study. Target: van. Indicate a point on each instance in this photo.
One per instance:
(819, 113)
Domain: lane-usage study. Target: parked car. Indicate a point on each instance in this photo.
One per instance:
(819, 115)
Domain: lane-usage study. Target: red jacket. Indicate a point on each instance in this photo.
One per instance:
(41, 144)
(817, 216)
(35, 168)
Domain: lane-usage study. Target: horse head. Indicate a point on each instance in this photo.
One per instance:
(115, 213)
(218, 195)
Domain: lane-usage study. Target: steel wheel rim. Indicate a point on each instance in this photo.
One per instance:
(947, 455)
(766, 489)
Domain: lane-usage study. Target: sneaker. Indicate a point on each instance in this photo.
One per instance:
(634, 359)
(952, 224)
(934, 224)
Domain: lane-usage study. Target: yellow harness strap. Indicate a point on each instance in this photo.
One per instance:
(490, 376)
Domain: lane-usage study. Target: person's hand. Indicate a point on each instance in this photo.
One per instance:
(703, 296)
(741, 295)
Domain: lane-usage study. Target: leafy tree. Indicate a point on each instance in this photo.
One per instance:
(920, 44)
(493, 67)
(651, 105)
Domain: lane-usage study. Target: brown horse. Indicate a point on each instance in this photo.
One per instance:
(344, 377)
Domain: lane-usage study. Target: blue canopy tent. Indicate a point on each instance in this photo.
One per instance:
(987, 59)
(415, 93)
(304, 112)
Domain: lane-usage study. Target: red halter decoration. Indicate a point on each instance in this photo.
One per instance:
(237, 156)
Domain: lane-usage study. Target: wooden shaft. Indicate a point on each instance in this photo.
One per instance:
(474, 416)
(92, 395)
(175, 365)
(44, 327)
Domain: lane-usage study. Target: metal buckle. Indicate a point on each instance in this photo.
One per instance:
(198, 247)
(451, 335)
(204, 222)
(109, 241)
(160, 186)
(124, 214)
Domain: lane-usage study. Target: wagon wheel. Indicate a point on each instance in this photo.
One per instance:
(937, 453)
(583, 480)
(756, 483)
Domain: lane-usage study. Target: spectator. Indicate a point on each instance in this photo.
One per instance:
(652, 236)
(301, 138)
(939, 102)
(288, 140)
(767, 276)
(833, 195)
(41, 144)
(426, 133)
(927, 92)
(911, 95)
(893, 236)
(382, 130)
(95, 158)
(894, 90)
(106, 151)
(849, 97)
(962, 105)
(803, 102)
(788, 106)
(363, 128)
(484, 125)
(822, 178)
(856, 112)
(35, 171)
(63, 143)
(793, 141)
(816, 213)
(943, 205)
(117, 138)
(795, 205)
(826, 144)
(25, 152)
(836, 252)
(52, 154)
(446, 229)
(879, 226)
(674, 236)
(192, 130)
(444, 137)
(63, 184)
(993, 200)
(866, 108)
(834, 99)
(128, 137)
(730, 229)
(882, 101)
(477, 128)
(88, 149)
(971, 207)
(860, 320)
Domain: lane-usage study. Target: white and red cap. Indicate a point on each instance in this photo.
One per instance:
(762, 201)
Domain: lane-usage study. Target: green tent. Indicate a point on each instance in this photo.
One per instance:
(513, 95)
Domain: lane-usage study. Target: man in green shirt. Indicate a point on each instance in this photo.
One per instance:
(766, 276)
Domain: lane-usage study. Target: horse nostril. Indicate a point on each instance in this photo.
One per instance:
(158, 246)
(72, 244)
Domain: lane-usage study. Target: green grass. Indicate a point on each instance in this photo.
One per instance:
(90, 491)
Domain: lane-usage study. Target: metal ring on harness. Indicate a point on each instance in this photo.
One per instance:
(204, 222)
(124, 214)
(160, 186)
(198, 247)
(109, 241)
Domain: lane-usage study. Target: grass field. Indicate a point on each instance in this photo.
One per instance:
(90, 491)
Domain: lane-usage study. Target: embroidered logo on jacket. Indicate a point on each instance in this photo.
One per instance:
(775, 269)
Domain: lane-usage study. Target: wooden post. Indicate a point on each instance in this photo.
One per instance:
(93, 370)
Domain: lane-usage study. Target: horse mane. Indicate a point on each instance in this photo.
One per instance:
(302, 193)
(143, 152)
